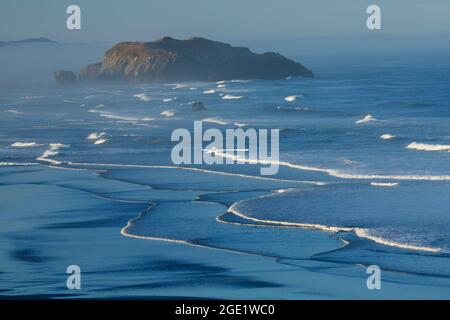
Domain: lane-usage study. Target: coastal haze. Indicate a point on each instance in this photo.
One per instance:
(86, 175)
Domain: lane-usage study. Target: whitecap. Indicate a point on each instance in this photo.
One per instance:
(52, 151)
(142, 97)
(210, 91)
(100, 141)
(428, 147)
(168, 113)
(384, 184)
(215, 121)
(367, 118)
(387, 136)
(96, 135)
(231, 97)
(292, 98)
(169, 99)
(25, 144)
(13, 164)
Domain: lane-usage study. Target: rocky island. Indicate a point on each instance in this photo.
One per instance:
(194, 59)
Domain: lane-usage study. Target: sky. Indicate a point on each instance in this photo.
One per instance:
(225, 20)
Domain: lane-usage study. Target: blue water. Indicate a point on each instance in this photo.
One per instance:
(336, 172)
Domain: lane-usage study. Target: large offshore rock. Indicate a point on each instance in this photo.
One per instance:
(195, 59)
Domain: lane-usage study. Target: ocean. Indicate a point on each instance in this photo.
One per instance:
(364, 179)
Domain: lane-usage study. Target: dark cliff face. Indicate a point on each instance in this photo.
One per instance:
(195, 59)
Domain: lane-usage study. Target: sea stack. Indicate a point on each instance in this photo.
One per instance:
(65, 77)
(194, 59)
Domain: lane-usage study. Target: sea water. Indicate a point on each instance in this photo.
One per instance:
(364, 155)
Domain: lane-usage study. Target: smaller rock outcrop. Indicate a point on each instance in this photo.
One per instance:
(65, 77)
(198, 106)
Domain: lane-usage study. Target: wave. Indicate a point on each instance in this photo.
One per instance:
(387, 136)
(25, 144)
(384, 184)
(52, 151)
(13, 111)
(289, 109)
(215, 121)
(16, 164)
(96, 135)
(210, 91)
(168, 113)
(100, 141)
(360, 232)
(178, 86)
(428, 147)
(334, 172)
(222, 85)
(292, 98)
(237, 124)
(169, 99)
(322, 227)
(231, 97)
(110, 115)
(364, 233)
(366, 119)
(142, 96)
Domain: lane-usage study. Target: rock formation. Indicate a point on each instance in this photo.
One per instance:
(195, 59)
(65, 77)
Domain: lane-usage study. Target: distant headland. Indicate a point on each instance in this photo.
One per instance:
(26, 41)
(194, 59)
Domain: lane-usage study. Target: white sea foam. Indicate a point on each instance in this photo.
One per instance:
(52, 151)
(100, 141)
(96, 135)
(13, 111)
(237, 124)
(334, 172)
(221, 85)
(210, 91)
(169, 99)
(236, 212)
(115, 116)
(179, 86)
(384, 184)
(364, 233)
(231, 97)
(428, 147)
(215, 121)
(387, 136)
(168, 113)
(292, 98)
(14, 164)
(366, 119)
(25, 144)
(142, 97)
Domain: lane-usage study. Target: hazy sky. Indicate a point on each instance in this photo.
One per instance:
(228, 20)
